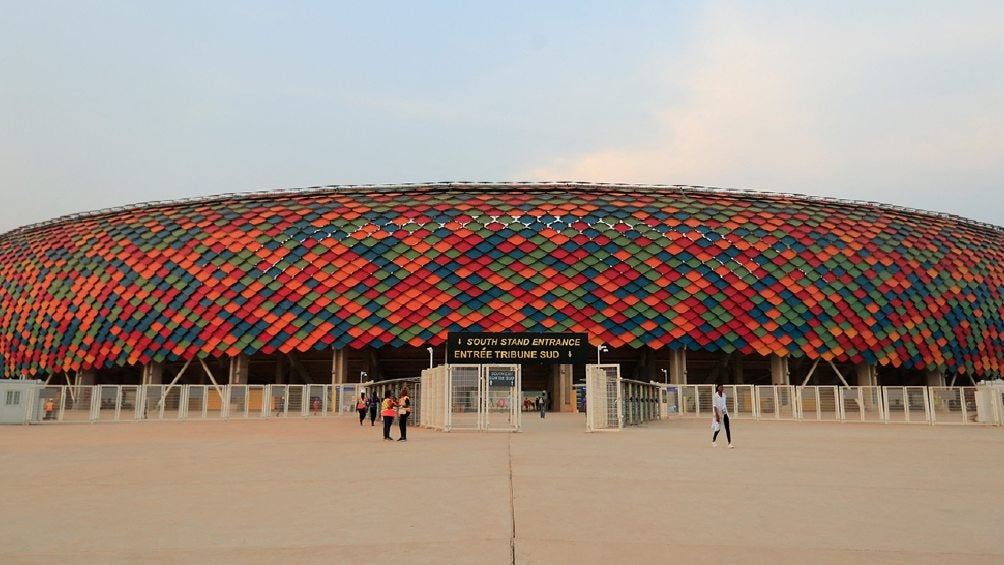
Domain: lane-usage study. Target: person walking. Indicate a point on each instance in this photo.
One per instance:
(721, 409)
(49, 407)
(387, 409)
(543, 404)
(403, 411)
(374, 405)
(361, 406)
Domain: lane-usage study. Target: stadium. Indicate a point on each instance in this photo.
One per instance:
(342, 284)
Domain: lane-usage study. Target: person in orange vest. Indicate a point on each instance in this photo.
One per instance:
(49, 407)
(361, 405)
(403, 410)
(387, 409)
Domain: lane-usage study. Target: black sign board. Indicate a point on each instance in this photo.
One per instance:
(479, 348)
(501, 377)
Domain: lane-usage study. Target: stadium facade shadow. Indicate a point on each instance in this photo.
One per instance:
(322, 284)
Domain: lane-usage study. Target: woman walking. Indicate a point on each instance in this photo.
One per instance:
(403, 410)
(387, 409)
(374, 405)
(721, 407)
(361, 405)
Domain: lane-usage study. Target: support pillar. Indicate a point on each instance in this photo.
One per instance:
(678, 366)
(779, 374)
(935, 378)
(81, 378)
(86, 378)
(239, 366)
(646, 364)
(280, 369)
(867, 374)
(153, 373)
(339, 366)
(563, 396)
(737, 369)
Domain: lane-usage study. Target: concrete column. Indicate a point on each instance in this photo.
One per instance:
(153, 373)
(647, 365)
(935, 378)
(867, 374)
(779, 374)
(339, 366)
(737, 369)
(280, 369)
(553, 387)
(678, 366)
(86, 378)
(565, 386)
(81, 378)
(238, 374)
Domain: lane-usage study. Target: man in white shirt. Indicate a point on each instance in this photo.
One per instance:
(721, 407)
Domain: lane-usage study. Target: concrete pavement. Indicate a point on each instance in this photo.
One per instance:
(329, 491)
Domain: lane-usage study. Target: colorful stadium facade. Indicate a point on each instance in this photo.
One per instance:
(374, 275)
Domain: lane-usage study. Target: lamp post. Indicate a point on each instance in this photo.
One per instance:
(665, 375)
(600, 348)
(362, 375)
(429, 349)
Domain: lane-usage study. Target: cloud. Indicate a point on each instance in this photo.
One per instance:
(895, 107)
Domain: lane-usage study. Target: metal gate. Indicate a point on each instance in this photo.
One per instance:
(605, 406)
(484, 397)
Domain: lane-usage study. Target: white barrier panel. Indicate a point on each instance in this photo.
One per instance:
(671, 399)
(296, 402)
(604, 405)
(989, 400)
(345, 395)
(238, 402)
(688, 401)
(464, 386)
(861, 404)
(109, 403)
(695, 400)
(818, 403)
(906, 404)
(949, 405)
(776, 402)
(741, 401)
(317, 399)
(640, 401)
(433, 396)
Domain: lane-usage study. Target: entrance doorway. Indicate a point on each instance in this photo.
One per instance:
(483, 397)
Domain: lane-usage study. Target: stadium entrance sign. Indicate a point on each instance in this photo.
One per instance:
(528, 347)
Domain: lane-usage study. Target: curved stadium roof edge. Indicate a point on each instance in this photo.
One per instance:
(658, 266)
(479, 185)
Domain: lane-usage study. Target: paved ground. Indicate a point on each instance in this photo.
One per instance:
(328, 491)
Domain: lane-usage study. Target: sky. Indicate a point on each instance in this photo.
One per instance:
(110, 103)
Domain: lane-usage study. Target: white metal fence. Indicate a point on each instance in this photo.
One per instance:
(434, 398)
(612, 402)
(981, 404)
(113, 403)
(458, 399)
(472, 397)
(604, 405)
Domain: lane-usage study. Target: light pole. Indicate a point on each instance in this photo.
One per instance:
(600, 348)
(665, 374)
(362, 375)
(429, 349)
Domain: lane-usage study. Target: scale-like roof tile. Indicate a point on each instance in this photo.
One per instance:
(629, 265)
